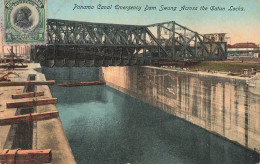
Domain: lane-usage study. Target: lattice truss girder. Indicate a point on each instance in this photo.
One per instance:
(183, 43)
(168, 40)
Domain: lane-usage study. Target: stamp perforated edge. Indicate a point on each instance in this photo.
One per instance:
(35, 43)
(2, 22)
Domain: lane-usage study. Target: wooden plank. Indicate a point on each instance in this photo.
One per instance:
(23, 83)
(4, 70)
(9, 56)
(25, 156)
(29, 118)
(87, 83)
(13, 66)
(27, 95)
(2, 76)
(31, 103)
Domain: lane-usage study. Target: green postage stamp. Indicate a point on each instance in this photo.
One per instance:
(24, 21)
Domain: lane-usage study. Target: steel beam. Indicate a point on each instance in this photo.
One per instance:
(99, 40)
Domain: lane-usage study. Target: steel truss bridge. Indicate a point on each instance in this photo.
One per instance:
(72, 43)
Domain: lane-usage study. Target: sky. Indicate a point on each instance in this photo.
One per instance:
(240, 26)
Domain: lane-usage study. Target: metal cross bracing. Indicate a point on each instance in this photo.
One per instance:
(72, 43)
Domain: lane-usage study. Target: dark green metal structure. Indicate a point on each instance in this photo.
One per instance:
(72, 43)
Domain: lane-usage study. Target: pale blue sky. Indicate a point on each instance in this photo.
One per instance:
(241, 26)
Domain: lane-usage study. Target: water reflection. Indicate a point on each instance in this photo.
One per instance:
(106, 126)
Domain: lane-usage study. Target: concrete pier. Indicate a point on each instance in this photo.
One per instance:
(46, 134)
(225, 105)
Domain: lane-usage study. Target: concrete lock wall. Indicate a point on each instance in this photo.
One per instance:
(225, 105)
(63, 74)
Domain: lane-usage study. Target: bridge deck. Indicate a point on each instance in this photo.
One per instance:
(72, 43)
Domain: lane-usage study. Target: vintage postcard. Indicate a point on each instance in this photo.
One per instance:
(130, 82)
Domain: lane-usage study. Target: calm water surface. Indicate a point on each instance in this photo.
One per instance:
(104, 125)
